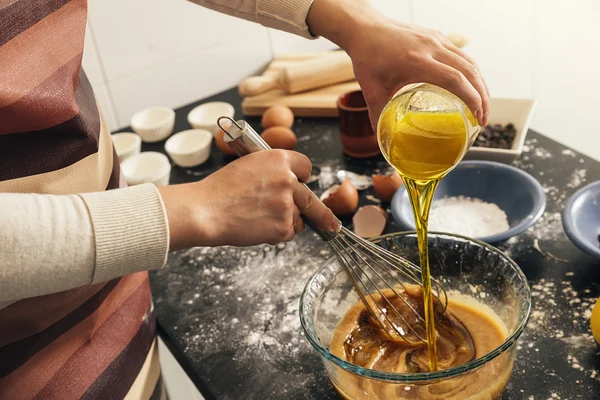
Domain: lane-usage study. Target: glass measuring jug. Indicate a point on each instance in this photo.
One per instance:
(424, 131)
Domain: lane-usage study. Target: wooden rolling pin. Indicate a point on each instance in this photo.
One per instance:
(311, 72)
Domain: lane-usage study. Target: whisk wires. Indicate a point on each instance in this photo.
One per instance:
(374, 271)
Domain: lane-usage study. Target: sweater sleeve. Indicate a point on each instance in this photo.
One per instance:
(285, 15)
(53, 243)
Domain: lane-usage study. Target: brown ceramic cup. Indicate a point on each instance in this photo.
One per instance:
(356, 134)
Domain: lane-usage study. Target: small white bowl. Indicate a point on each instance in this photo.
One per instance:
(205, 115)
(518, 112)
(126, 144)
(189, 148)
(153, 124)
(147, 167)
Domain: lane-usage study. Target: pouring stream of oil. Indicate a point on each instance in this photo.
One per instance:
(423, 146)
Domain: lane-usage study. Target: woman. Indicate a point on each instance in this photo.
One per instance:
(75, 306)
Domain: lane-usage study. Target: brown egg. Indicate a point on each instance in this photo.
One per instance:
(279, 137)
(278, 116)
(369, 221)
(341, 199)
(386, 186)
(221, 145)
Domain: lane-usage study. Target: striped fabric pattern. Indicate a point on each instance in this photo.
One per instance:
(92, 342)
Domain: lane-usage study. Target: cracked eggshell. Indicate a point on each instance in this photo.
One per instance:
(386, 186)
(341, 199)
(369, 221)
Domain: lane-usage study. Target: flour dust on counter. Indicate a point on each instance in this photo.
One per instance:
(549, 227)
(558, 308)
(577, 178)
(246, 313)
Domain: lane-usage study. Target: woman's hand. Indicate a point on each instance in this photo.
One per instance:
(388, 55)
(254, 200)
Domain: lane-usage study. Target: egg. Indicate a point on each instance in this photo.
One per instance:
(341, 199)
(369, 221)
(277, 116)
(221, 145)
(279, 137)
(386, 186)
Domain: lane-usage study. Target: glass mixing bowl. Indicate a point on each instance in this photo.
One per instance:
(465, 267)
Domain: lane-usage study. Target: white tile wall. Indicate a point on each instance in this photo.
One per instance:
(500, 37)
(140, 53)
(188, 79)
(567, 72)
(132, 35)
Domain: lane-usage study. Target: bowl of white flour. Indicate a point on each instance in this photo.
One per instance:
(484, 200)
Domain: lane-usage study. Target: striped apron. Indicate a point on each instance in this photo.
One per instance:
(92, 342)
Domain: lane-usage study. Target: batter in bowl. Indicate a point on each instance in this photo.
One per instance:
(466, 331)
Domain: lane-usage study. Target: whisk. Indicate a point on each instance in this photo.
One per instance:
(374, 271)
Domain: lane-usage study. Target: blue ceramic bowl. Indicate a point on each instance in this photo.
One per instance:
(516, 192)
(581, 219)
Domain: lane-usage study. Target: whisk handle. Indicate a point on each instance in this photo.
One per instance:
(243, 139)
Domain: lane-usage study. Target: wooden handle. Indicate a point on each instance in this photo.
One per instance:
(334, 68)
(257, 85)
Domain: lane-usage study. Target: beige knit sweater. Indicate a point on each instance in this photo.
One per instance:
(51, 243)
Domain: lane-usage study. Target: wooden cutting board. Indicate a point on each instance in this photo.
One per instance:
(315, 103)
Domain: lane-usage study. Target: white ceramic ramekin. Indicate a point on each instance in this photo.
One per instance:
(189, 148)
(126, 144)
(205, 115)
(153, 124)
(147, 167)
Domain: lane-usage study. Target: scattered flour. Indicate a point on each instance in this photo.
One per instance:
(542, 153)
(373, 199)
(555, 306)
(577, 178)
(549, 227)
(467, 216)
(327, 177)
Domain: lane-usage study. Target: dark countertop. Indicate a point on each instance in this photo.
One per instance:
(230, 315)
